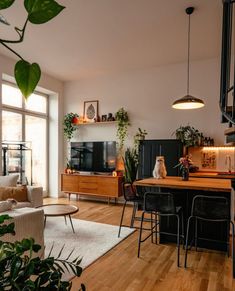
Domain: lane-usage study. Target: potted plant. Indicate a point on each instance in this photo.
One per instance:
(28, 75)
(70, 124)
(131, 164)
(122, 118)
(19, 270)
(188, 135)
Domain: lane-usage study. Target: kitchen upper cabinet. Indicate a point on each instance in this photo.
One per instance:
(171, 149)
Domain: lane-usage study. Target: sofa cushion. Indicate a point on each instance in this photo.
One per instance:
(9, 180)
(18, 193)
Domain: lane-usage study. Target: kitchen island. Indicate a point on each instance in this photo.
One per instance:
(213, 235)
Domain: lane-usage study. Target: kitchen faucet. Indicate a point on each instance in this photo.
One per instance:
(228, 162)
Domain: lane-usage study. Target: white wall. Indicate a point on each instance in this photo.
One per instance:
(54, 88)
(147, 95)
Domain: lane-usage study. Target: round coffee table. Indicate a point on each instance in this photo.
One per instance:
(59, 210)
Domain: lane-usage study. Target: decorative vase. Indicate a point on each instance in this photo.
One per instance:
(185, 174)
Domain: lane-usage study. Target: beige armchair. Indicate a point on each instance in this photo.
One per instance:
(29, 222)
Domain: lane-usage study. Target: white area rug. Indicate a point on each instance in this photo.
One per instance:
(91, 240)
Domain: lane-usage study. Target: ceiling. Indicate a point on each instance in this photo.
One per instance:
(95, 37)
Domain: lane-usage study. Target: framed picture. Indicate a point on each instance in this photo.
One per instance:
(90, 113)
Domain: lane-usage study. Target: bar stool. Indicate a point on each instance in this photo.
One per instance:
(213, 209)
(161, 204)
(130, 195)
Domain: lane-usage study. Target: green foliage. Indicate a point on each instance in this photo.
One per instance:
(38, 11)
(41, 11)
(131, 165)
(131, 158)
(27, 77)
(122, 118)
(6, 3)
(188, 135)
(69, 126)
(20, 271)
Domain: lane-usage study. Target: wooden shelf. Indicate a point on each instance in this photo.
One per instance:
(97, 123)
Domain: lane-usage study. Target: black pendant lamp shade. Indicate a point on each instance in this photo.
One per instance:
(188, 101)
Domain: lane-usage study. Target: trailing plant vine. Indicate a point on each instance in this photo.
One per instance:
(38, 12)
(122, 118)
(69, 125)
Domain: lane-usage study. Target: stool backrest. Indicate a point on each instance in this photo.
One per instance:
(211, 207)
(159, 202)
(129, 191)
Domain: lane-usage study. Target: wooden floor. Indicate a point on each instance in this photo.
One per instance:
(156, 269)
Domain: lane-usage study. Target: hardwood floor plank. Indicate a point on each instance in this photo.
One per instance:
(156, 269)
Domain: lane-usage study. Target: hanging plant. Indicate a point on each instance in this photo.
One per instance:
(27, 75)
(70, 124)
(122, 118)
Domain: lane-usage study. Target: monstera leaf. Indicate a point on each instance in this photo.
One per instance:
(27, 77)
(41, 11)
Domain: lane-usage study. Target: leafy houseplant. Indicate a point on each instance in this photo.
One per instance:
(122, 118)
(130, 164)
(70, 124)
(188, 135)
(20, 271)
(131, 158)
(38, 12)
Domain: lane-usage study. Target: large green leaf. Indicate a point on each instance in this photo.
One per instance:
(6, 3)
(41, 11)
(27, 77)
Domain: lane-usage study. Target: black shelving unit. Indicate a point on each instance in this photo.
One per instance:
(17, 159)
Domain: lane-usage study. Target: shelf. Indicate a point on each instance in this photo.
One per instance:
(97, 123)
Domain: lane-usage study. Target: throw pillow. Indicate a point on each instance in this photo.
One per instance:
(5, 205)
(19, 193)
(5, 193)
(10, 180)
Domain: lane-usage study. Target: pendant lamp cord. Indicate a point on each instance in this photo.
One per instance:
(188, 55)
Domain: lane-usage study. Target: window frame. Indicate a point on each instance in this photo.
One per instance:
(23, 111)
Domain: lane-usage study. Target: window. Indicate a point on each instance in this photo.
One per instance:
(27, 121)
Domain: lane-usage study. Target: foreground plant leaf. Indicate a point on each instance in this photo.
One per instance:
(6, 3)
(41, 11)
(27, 77)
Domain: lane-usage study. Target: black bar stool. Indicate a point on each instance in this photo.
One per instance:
(209, 208)
(161, 204)
(130, 195)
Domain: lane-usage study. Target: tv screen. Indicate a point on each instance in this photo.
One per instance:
(93, 156)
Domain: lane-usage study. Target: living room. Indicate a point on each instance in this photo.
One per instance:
(129, 54)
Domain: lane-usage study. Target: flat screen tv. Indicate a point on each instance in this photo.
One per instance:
(99, 156)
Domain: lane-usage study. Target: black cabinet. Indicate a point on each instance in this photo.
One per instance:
(171, 149)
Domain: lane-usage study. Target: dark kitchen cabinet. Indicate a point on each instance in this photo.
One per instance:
(171, 149)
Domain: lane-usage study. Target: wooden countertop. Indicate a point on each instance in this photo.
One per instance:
(212, 175)
(207, 184)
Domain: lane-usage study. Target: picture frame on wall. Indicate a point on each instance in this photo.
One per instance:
(90, 111)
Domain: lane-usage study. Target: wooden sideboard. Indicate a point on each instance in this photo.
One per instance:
(94, 185)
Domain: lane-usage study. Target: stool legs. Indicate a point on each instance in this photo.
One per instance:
(186, 242)
(140, 235)
(120, 226)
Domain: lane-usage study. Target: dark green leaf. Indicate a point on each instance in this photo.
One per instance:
(6, 3)
(41, 11)
(36, 248)
(27, 77)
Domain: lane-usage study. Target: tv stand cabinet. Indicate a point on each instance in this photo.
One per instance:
(93, 185)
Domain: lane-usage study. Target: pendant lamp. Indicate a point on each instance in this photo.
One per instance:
(188, 101)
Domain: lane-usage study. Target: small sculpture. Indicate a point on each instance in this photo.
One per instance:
(159, 170)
